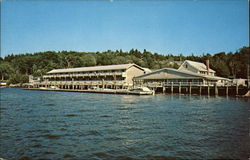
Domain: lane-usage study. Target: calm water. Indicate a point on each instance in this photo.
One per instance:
(64, 125)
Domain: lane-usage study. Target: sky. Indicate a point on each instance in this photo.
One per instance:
(160, 26)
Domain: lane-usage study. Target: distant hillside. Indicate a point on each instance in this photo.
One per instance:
(16, 68)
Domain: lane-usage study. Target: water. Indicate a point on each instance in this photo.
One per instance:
(65, 125)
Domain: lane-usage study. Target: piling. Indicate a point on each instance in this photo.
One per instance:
(237, 90)
(227, 90)
(172, 88)
(179, 87)
(190, 88)
(215, 90)
(163, 89)
(208, 90)
(103, 83)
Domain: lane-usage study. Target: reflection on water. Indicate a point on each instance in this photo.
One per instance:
(60, 125)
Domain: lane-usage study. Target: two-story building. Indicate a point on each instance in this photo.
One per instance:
(109, 76)
(189, 73)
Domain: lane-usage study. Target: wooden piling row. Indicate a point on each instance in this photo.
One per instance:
(202, 90)
(180, 88)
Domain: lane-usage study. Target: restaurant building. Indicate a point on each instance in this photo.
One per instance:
(189, 73)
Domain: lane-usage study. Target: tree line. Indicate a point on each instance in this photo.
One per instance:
(16, 68)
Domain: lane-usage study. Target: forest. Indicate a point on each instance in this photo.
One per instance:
(16, 68)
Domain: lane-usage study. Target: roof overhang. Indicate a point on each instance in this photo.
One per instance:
(95, 68)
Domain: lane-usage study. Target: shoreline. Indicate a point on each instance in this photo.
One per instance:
(125, 92)
(110, 91)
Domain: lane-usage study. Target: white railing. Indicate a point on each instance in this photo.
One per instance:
(183, 84)
(167, 84)
(123, 74)
(83, 82)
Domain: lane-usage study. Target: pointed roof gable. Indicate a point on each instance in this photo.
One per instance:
(197, 65)
(170, 73)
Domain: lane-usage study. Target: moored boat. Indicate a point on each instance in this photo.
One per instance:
(142, 91)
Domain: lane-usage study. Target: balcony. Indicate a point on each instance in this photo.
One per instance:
(72, 75)
(87, 82)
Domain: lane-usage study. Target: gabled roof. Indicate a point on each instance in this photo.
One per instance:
(197, 65)
(147, 70)
(170, 73)
(95, 68)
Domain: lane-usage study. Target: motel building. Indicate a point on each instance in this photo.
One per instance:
(189, 75)
(109, 76)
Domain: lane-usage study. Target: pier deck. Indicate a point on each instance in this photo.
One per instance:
(105, 91)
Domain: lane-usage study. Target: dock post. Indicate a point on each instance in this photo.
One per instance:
(200, 90)
(208, 90)
(179, 87)
(172, 88)
(237, 89)
(227, 90)
(102, 83)
(215, 90)
(163, 89)
(190, 88)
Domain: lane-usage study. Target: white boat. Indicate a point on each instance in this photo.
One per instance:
(142, 91)
(54, 87)
(49, 88)
(43, 88)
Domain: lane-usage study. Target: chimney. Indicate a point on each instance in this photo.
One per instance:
(207, 65)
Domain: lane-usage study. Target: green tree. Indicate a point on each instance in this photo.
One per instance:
(18, 78)
(89, 60)
(5, 70)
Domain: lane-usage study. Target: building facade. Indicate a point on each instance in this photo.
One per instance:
(196, 67)
(110, 76)
(189, 73)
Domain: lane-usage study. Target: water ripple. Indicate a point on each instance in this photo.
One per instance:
(65, 125)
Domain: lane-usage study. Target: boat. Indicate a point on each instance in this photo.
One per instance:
(43, 88)
(3, 84)
(54, 87)
(49, 88)
(142, 91)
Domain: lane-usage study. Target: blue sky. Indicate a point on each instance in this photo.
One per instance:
(162, 26)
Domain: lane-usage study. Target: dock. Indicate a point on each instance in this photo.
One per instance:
(102, 91)
(198, 89)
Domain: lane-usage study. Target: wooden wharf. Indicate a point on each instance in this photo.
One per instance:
(197, 88)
